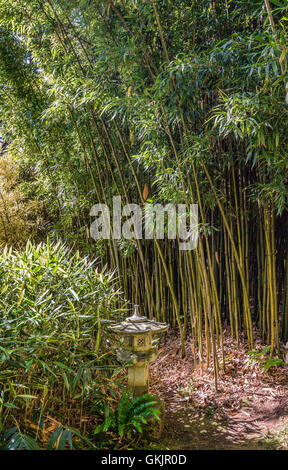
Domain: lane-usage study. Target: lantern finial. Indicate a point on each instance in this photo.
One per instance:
(136, 318)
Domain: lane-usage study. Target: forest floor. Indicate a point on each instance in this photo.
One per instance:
(249, 411)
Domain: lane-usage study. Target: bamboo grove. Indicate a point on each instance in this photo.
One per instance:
(185, 99)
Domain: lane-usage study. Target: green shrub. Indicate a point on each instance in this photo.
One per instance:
(262, 356)
(20, 218)
(54, 362)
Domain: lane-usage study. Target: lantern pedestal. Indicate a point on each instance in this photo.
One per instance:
(138, 379)
(136, 348)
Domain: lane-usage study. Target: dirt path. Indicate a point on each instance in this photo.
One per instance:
(183, 431)
(188, 430)
(249, 411)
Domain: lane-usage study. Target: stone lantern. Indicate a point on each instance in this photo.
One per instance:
(136, 347)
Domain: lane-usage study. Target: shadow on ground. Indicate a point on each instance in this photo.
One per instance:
(184, 432)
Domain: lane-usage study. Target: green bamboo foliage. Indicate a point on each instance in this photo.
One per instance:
(101, 99)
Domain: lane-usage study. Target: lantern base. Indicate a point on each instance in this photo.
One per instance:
(138, 379)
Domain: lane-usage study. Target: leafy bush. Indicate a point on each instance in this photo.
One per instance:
(19, 216)
(54, 362)
(266, 362)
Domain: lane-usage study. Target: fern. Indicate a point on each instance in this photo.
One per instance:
(130, 415)
(133, 413)
(272, 362)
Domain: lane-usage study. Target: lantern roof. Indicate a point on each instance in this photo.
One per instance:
(137, 324)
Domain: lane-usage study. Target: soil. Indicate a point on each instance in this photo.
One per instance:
(249, 410)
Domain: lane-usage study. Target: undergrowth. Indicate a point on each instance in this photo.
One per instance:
(56, 370)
